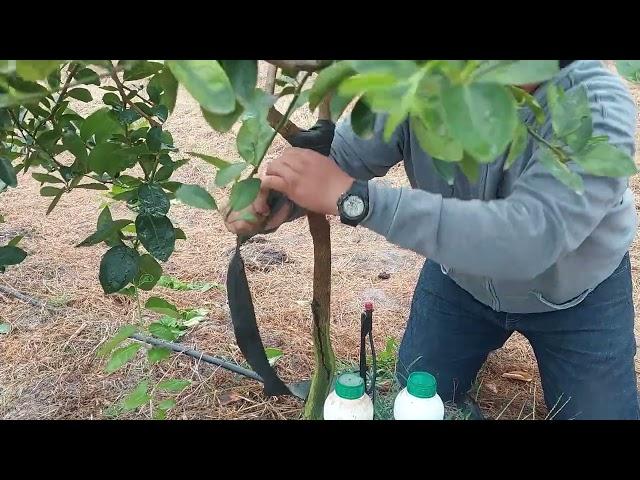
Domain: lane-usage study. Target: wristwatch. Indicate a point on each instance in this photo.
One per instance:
(353, 205)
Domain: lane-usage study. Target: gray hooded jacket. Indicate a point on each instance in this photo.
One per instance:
(518, 241)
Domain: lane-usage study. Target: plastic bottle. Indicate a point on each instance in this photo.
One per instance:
(419, 400)
(349, 400)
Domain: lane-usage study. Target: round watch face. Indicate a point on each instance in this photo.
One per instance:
(353, 206)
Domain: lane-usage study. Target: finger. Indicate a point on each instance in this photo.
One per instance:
(280, 168)
(276, 183)
(260, 205)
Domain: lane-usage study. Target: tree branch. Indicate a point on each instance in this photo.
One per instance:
(300, 65)
(60, 99)
(120, 87)
(270, 84)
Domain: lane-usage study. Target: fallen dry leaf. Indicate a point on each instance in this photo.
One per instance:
(229, 397)
(492, 387)
(518, 375)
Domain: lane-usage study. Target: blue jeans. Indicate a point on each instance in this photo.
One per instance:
(585, 353)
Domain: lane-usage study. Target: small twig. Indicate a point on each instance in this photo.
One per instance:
(281, 123)
(74, 335)
(507, 406)
(148, 102)
(120, 88)
(25, 298)
(61, 97)
(540, 139)
(23, 129)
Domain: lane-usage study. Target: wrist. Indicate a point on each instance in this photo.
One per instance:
(341, 187)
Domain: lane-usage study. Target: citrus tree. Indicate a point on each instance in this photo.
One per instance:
(464, 113)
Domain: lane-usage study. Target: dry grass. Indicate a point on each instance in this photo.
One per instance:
(48, 366)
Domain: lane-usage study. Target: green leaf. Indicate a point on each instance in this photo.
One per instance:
(328, 80)
(53, 79)
(5, 328)
(175, 284)
(109, 158)
(105, 221)
(44, 178)
(372, 82)
(253, 140)
(173, 385)
(36, 69)
(15, 241)
(229, 173)
(166, 404)
(105, 232)
(87, 76)
(257, 105)
(629, 69)
(161, 306)
(525, 98)
(101, 123)
(111, 99)
(338, 105)
(569, 110)
(137, 397)
(243, 75)
(273, 355)
(603, 159)
(159, 414)
(207, 82)
(434, 138)
(118, 268)
(50, 191)
(482, 117)
(122, 356)
(517, 72)
(163, 332)
(222, 122)
(519, 143)
(215, 161)
(196, 196)
(157, 354)
(93, 186)
(166, 83)
(244, 193)
(157, 235)
(180, 235)
(81, 94)
(152, 200)
(149, 273)
(447, 170)
(76, 146)
(395, 68)
(154, 141)
(470, 168)
(363, 119)
(559, 170)
(142, 69)
(54, 202)
(7, 174)
(11, 255)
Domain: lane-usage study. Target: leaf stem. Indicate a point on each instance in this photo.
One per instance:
(558, 151)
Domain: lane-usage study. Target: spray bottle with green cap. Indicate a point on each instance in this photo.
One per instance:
(419, 400)
(349, 400)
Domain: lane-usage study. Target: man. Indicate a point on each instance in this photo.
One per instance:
(516, 251)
